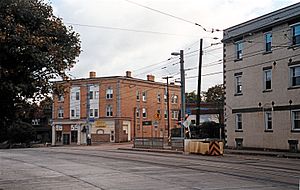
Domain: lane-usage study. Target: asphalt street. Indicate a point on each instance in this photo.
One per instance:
(105, 167)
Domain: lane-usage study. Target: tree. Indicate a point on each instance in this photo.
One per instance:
(35, 47)
(215, 94)
(191, 97)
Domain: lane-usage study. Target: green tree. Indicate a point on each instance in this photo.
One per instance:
(35, 47)
(215, 94)
(191, 97)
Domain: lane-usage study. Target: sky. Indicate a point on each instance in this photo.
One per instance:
(140, 35)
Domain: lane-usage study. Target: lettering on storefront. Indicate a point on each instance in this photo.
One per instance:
(100, 124)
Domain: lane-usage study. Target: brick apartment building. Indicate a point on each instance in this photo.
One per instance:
(262, 81)
(112, 109)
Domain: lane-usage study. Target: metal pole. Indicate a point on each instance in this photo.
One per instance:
(182, 77)
(134, 125)
(199, 84)
(168, 105)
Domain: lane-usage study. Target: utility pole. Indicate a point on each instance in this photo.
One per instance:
(168, 105)
(182, 81)
(199, 85)
(134, 125)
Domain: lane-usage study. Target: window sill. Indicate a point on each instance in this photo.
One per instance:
(239, 130)
(267, 52)
(238, 94)
(267, 90)
(295, 130)
(294, 87)
(240, 59)
(269, 130)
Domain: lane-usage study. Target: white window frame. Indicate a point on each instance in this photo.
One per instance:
(96, 111)
(239, 50)
(144, 112)
(175, 114)
(77, 95)
(293, 34)
(238, 83)
(265, 79)
(266, 41)
(96, 94)
(109, 93)
(138, 97)
(91, 95)
(267, 120)
(137, 112)
(238, 116)
(109, 111)
(174, 99)
(158, 97)
(60, 114)
(144, 96)
(293, 120)
(291, 75)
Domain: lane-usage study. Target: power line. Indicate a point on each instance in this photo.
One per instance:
(128, 30)
(173, 16)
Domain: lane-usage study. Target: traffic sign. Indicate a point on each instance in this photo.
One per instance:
(157, 116)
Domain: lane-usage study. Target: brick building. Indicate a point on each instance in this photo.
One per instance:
(262, 81)
(112, 109)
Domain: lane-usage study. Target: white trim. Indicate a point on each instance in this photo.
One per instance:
(292, 120)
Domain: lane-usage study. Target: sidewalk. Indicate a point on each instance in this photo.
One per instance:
(281, 154)
(226, 152)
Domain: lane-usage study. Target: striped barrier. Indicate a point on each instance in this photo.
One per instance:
(215, 149)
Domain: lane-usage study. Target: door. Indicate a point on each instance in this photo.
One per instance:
(66, 138)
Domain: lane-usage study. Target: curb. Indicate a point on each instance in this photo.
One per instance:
(152, 150)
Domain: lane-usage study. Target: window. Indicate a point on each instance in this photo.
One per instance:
(268, 120)
(239, 50)
(268, 40)
(174, 114)
(137, 112)
(296, 120)
(165, 98)
(77, 112)
(77, 95)
(91, 95)
(166, 114)
(96, 94)
(72, 113)
(109, 111)
(109, 93)
(238, 122)
(96, 113)
(296, 34)
(144, 96)
(91, 113)
(61, 113)
(268, 79)
(144, 113)
(295, 76)
(60, 98)
(174, 99)
(137, 95)
(158, 98)
(238, 84)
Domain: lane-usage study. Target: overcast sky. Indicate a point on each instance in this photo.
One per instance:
(119, 35)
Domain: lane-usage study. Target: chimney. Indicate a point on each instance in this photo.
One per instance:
(150, 78)
(92, 74)
(128, 74)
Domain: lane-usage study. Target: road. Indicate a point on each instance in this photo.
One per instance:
(105, 167)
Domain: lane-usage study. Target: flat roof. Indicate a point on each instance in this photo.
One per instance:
(263, 22)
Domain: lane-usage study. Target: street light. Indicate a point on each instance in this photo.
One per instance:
(182, 77)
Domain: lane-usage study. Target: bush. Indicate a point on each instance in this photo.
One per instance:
(21, 132)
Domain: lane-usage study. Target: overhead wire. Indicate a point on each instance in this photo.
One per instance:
(173, 16)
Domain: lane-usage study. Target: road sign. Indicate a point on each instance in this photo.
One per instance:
(147, 122)
(157, 116)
